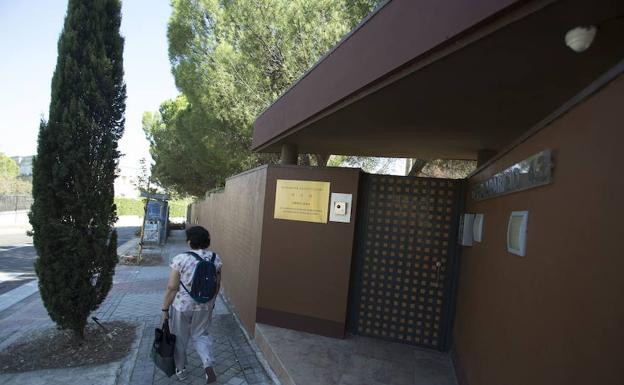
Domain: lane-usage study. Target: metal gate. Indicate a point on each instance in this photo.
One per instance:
(404, 271)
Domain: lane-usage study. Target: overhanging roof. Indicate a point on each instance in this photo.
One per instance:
(429, 79)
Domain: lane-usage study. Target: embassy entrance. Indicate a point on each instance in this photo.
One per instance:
(405, 262)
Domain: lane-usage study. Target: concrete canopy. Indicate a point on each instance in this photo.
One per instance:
(431, 79)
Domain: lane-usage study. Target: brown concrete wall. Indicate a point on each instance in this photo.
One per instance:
(305, 267)
(234, 219)
(555, 316)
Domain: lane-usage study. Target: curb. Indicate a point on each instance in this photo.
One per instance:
(127, 246)
(129, 361)
(273, 359)
(252, 343)
(18, 294)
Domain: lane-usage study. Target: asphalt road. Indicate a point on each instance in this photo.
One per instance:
(17, 255)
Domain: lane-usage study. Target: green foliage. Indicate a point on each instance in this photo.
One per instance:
(15, 186)
(10, 182)
(448, 168)
(436, 168)
(369, 164)
(357, 9)
(231, 60)
(177, 208)
(73, 173)
(189, 154)
(129, 206)
(8, 167)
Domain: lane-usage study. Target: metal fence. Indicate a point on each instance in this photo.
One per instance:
(15, 202)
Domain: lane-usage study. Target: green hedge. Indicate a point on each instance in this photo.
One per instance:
(127, 206)
(177, 208)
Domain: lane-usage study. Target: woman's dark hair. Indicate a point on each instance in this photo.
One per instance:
(198, 237)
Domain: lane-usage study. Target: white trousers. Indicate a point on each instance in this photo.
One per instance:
(193, 325)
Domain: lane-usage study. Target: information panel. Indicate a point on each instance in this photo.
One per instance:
(301, 200)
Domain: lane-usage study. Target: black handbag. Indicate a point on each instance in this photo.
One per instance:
(162, 349)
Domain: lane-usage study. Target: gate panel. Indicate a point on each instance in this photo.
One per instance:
(405, 266)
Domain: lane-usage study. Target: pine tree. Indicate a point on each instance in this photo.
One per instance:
(73, 213)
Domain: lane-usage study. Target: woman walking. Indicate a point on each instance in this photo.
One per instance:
(189, 318)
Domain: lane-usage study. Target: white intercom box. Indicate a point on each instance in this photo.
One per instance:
(340, 207)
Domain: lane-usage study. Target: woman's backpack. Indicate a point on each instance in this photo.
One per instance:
(204, 284)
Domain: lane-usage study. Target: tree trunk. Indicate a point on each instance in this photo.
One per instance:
(322, 159)
(417, 167)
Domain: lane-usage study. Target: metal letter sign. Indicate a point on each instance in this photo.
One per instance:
(531, 172)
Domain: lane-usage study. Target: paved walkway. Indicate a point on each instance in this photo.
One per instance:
(136, 296)
(301, 358)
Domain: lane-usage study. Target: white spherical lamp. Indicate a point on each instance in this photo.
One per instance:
(580, 38)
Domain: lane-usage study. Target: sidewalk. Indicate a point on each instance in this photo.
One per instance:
(14, 218)
(136, 296)
(300, 358)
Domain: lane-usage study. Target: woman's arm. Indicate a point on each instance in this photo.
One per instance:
(218, 281)
(172, 288)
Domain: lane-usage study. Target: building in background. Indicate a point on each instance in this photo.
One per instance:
(126, 182)
(25, 164)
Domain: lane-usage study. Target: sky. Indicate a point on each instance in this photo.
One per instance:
(30, 30)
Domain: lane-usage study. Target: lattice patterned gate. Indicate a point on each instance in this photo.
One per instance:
(404, 270)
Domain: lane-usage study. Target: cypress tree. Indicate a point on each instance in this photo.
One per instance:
(73, 213)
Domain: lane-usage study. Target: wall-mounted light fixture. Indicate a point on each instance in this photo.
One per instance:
(465, 226)
(580, 38)
(516, 232)
(477, 228)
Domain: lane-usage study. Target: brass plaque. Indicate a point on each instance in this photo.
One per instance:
(301, 200)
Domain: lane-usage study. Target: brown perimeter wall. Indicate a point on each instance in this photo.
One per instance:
(234, 219)
(555, 316)
(305, 267)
